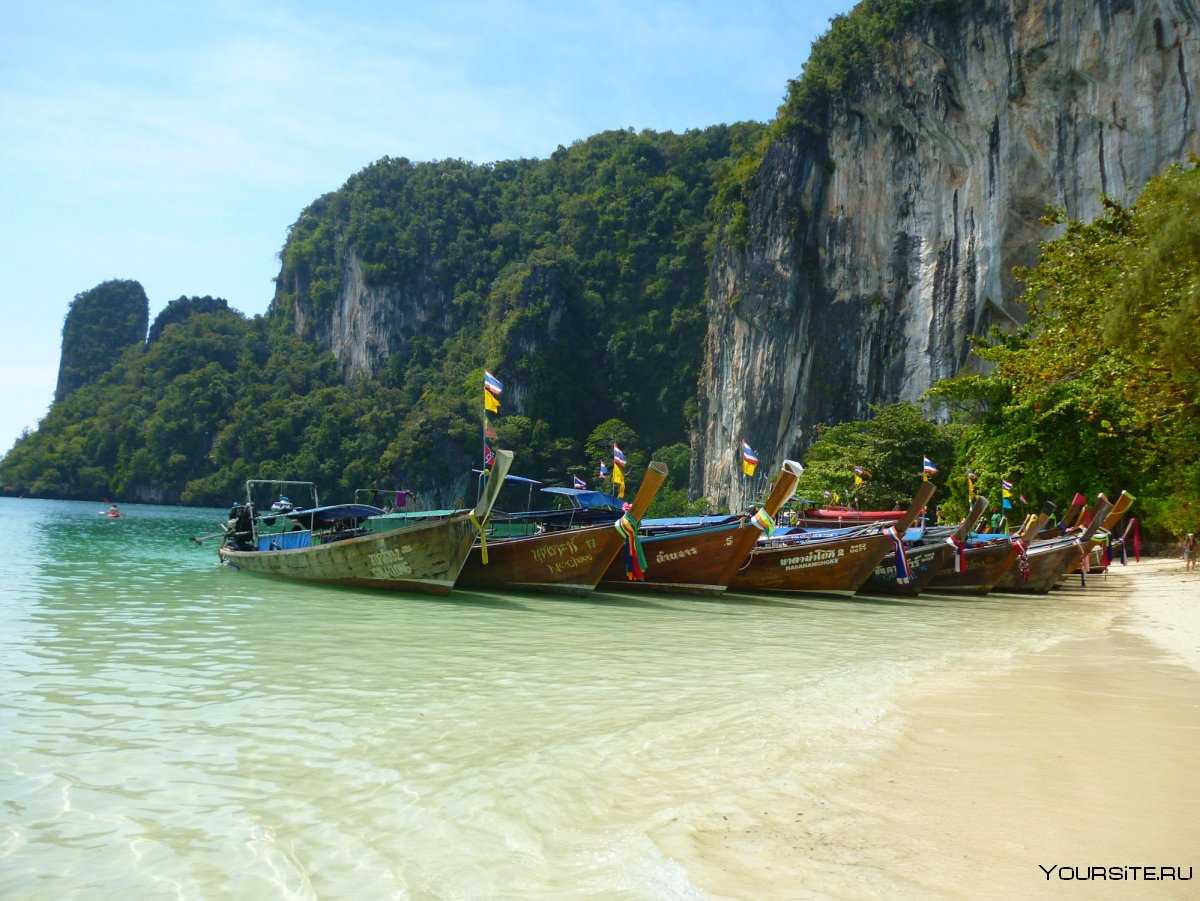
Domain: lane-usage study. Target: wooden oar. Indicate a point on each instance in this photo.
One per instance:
(200, 539)
(655, 475)
(1120, 507)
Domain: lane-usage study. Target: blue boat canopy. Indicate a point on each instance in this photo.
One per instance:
(687, 522)
(589, 500)
(334, 513)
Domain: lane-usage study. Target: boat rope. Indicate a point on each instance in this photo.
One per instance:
(1022, 559)
(635, 556)
(479, 529)
(1084, 551)
(960, 553)
(763, 521)
(901, 557)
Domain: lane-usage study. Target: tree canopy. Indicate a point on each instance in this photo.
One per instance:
(1099, 389)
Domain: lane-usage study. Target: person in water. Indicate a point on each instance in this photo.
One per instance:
(113, 512)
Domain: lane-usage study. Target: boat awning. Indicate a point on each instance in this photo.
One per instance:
(589, 500)
(687, 522)
(334, 513)
(521, 479)
(985, 537)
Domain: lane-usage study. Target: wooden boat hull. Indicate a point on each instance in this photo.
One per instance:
(986, 565)
(571, 561)
(696, 561)
(425, 557)
(1095, 559)
(832, 566)
(924, 562)
(1047, 565)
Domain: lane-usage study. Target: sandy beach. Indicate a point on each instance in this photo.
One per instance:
(1082, 754)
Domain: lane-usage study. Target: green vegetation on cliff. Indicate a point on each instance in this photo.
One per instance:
(576, 278)
(100, 324)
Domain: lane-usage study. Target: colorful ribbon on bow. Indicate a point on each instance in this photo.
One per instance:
(482, 536)
(635, 556)
(763, 521)
(1022, 559)
(901, 558)
(960, 553)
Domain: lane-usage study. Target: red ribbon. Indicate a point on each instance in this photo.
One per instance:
(1022, 559)
(960, 553)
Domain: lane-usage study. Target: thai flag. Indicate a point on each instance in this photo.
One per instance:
(618, 455)
(928, 468)
(580, 484)
(748, 454)
(492, 385)
(1006, 485)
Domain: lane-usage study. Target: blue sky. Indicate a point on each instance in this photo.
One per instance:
(175, 143)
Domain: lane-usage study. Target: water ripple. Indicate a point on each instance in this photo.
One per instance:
(173, 728)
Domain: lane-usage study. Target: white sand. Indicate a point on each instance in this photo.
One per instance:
(1166, 608)
(1081, 755)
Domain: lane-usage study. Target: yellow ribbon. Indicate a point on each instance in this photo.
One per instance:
(482, 536)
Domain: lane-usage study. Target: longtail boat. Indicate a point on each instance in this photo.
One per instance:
(568, 561)
(1044, 563)
(682, 556)
(836, 561)
(978, 563)
(351, 545)
(927, 552)
(1094, 559)
(1069, 519)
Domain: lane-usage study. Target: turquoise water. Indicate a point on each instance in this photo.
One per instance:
(172, 728)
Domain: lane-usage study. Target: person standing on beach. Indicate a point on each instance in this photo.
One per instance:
(1189, 552)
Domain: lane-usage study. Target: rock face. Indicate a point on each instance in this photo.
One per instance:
(876, 248)
(368, 323)
(100, 324)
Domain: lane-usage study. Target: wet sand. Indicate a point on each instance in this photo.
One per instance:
(1084, 754)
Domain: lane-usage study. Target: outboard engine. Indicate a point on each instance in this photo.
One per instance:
(239, 529)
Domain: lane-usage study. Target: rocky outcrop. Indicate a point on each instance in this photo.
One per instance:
(100, 325)
(877, 245)
(368, 323)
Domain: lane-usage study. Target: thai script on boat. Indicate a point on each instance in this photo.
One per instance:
(820, 557)
(390, 564)
(548, 551)
(663, 556)
(568, 564)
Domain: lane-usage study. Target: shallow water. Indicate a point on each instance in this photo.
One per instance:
(174, 728)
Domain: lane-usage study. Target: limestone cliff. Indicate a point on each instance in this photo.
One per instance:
(880, 241)
(100, 324)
